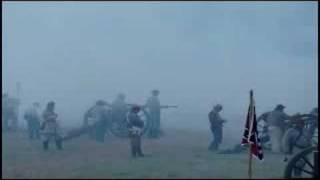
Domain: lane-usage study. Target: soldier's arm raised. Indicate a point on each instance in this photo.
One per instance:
(263, 117)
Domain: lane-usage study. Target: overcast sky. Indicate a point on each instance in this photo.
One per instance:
(196, 54)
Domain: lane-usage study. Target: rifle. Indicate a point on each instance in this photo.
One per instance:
(168, 106)
(141, 106)
(144, 106)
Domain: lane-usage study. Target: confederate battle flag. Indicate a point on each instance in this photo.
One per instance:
(250, 135)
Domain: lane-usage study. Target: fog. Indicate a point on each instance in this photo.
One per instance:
(196, 54)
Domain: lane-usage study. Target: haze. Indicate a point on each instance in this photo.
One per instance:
(196, 54)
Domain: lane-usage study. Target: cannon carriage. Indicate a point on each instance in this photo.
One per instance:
(118, 126)
(303, 164)
(303, 122)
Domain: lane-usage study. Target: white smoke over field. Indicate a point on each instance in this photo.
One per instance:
(196, 54)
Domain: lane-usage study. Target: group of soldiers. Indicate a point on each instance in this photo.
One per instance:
(102, 115)
(10, 108)
(287, 132)
(100, 118)
(45, 123)
(98, 121)
(283, 131)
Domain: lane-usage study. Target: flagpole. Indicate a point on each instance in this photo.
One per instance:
(250, 162)
(251, 137)
(250, 126)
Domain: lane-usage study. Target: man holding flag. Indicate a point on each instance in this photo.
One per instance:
(250, 136)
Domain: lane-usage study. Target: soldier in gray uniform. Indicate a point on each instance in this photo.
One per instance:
(216, 123)
(313, 120)
(5, 112)
(263, 117)
(32, 117)
(101, 120)
(51, 127)
(263, 129)
(135, 126)
(88, 122)
(153, 106)
(300, 133)
(276, 126)
(10, 111)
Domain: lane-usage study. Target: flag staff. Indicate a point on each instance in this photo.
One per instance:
(250, 162)
(250, 135)
(250, 127)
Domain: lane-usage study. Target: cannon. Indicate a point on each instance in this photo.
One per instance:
(304, 164)
(119, 126)
(306, 121)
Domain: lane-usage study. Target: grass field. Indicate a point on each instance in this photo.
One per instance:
(179, 154)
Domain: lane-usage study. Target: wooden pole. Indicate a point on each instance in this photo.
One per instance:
(250, 162)
(316, 170)
(250, 127)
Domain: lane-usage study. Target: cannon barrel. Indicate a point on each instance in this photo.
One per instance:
(169, 106)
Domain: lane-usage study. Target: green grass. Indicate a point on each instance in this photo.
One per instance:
(180, 154)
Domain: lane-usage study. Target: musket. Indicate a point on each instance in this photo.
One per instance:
(144, 106)
(141, 106)
(168, 106)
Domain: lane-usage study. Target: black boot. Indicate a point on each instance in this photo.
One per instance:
(46, 145)
(213, 146)
(133, 152)
(140, 153)
(59, 144)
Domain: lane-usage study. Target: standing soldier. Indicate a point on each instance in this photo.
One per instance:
(10, 110)
(88, 121)
(135, 126)
(101, 120)
(263, 132)
(300, 134)
(216, 123)
(263, 117)
(276, 126)
(51, 127)
(5, 112)
(153, 106)
(313, 120)
(32, 117)
(154, 109)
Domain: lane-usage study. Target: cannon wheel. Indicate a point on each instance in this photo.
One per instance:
(301, 165)
(120, 129)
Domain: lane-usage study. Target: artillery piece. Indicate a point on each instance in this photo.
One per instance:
(117, 126)
(304, 164)
(299, 120)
